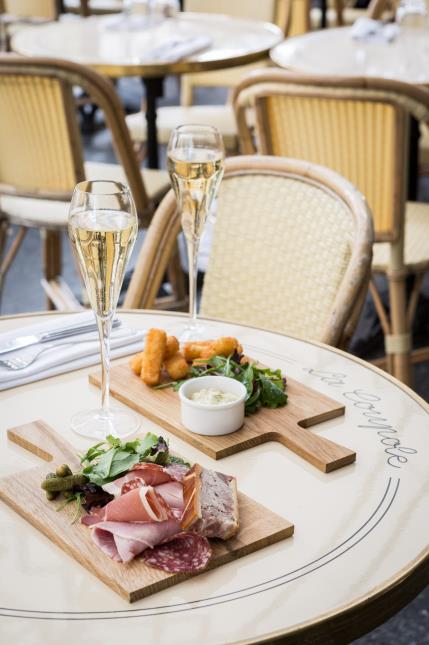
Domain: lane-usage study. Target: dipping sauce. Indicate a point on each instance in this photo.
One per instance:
(211, 396)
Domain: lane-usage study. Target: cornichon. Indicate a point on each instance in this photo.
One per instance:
(63, 471)
(57, 484)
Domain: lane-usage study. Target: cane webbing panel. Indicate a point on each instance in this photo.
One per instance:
(279, 253)
(31, 8)
(35, 152)
(354, 137)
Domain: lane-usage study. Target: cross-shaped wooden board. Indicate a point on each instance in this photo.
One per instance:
(288, 425)
(259, 527)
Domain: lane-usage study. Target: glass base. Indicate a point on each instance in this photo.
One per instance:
(95, 424)
(193, 330)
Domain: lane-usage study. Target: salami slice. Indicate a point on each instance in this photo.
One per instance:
(183, 553)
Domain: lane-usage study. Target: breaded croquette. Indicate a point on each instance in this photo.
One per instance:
(172, 347)
(136, 363)
(153, 356)
(224, 346)
(193, 350)
(176, 366)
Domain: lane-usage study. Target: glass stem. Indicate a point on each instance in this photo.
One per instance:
(192, 246)
(104, 327)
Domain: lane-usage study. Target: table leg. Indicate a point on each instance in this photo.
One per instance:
(324, 9)
(154, 90)
(413, 160)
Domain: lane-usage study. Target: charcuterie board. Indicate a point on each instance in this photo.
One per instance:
(259, 527)
(288, 425)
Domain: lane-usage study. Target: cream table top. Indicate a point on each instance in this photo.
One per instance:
(359, 531)
(126, 52)
(333, 51)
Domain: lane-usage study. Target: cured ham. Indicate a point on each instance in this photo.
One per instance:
(142, 504)
(166, 515)
(123, 541)
(149, 474)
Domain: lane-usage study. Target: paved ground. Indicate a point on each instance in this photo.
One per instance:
(22, 292)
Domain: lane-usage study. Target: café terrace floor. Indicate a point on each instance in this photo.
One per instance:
(22, 292)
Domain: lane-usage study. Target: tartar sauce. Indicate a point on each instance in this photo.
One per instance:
(213, 397)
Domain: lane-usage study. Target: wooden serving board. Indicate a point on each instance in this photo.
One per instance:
(305, 408)
(259, 527)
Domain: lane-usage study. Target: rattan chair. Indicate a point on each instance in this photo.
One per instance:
(292, 16)
(41, 156)
(291, 250)
(358, 127)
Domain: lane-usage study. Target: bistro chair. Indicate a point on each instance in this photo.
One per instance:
(360, 128)
(41, 156)
(292, 16)
(291, 250)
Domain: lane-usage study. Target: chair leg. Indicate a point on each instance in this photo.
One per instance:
(13, 250)
(176, 279)
(51, 257)
(399, 344)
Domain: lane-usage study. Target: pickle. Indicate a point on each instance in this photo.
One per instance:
(50, 475)
(50, 495)
(67, 494)
(63, 471)
(57, 484)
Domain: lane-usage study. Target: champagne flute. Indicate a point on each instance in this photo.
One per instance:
(195, 162)
(103, 228)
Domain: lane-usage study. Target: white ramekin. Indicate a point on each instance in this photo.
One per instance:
(212, 419)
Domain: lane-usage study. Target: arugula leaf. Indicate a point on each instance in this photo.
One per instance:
(272, 396)
(122, 462)
(146, 444)
(179, 460)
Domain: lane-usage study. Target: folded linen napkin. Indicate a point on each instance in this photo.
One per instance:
(180, 48)
(69, 354)
(374, 30)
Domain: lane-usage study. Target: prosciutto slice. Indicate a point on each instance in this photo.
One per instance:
(123, 541)
(142, 504)
(148, 474)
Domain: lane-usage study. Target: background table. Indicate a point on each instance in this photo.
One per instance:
(334, 51)
(116, 51)
(360, 549)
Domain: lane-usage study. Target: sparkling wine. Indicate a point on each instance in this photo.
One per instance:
(102, 241)
(195, 175)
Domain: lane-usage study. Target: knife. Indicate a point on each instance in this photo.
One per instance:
(48, 336)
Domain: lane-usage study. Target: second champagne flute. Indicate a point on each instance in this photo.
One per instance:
(195, 162)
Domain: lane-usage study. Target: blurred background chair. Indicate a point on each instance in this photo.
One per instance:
(290, 238)
(41, 157)
(360, 128)
(292, 16)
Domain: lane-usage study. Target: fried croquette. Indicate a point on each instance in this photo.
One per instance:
(193, 350)
(172, 347)
(224, 346)
(153, 356)
(136, 363)
(176, 366)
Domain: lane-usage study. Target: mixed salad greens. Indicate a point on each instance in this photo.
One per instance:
(265, 387)
(108, 459)
(101, 464)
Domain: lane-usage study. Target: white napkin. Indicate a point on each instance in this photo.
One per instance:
(180, 48)
(374, 30)
(65, 358)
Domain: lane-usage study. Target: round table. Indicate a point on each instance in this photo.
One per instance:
(359, 552)
(107, 45)
(334, 51)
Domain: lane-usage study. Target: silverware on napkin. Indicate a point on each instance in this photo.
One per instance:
(49, 336)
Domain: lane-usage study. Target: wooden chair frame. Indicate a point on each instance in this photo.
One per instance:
(103, 94)
(165, 227)
(408, 101)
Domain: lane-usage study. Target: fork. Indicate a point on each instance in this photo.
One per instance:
(21, 362)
